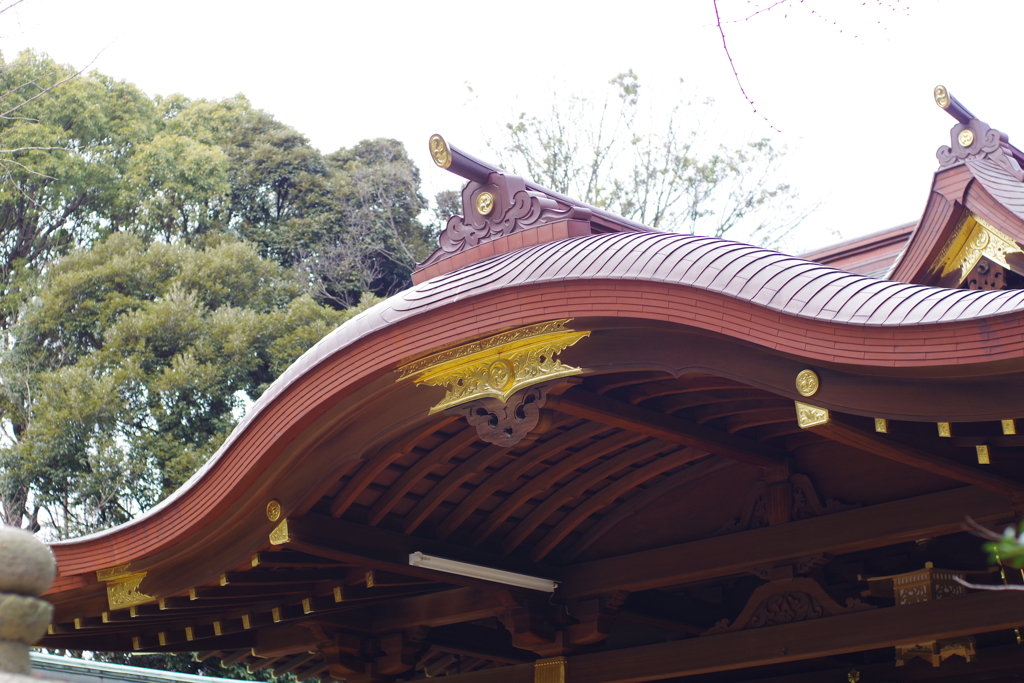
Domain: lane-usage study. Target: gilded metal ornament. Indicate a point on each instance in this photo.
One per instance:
(811, 416)
(881, 425)
(273, 511)
(279, 536)
(941, 96)
(498, 366)
(124, 592)
(1009, 426)
(966, 137)
(116, 572)
(971, 240)
(984, 458)
(484, 203)
(944, 429)
(439, 151)
(807, 382)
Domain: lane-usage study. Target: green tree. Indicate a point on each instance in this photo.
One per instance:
(133, 363)
(368, 234)
(657, 170)
(65, 140)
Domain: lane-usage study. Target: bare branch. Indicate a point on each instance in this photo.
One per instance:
(732, 66)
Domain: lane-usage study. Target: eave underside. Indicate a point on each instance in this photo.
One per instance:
(660, 497)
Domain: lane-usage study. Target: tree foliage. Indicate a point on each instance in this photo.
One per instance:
(162, 260)
(657, 170)
(136, 361)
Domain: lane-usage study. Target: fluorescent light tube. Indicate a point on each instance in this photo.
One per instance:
(475, 571)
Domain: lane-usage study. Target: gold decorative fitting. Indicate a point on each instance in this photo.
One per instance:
(307, 606)
(807, 382)
(223, 579)
(246, 622)
(484, 203)
(1009, 427)
(275, 614)
(439, 151)
(79, 624)
(162, 604)
(369, 579)
(971, 240)
(217, 629)
(256, 560)
(881, 425)
(50, 631)
(190, 635)
(124, 592)
(117, 572)
(105, 617)
(497, 366)
(273, 511)
(810, 416)
(192, 595)
(136, 643)
(983, 455)
(339, 594)
(133, 611)
(945, 430)
(162, 637)
(279, 536)
(941, 96)
(550, 670)
(966, 137)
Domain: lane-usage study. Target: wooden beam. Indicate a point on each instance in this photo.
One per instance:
(437, 609)
(477, 641)
(1005, 659)
(949, 618)
(614, 413)
(840, 429)
(817, 638)
(378, 548)
(874, 526)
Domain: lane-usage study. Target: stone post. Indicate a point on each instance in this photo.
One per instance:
(27, 569)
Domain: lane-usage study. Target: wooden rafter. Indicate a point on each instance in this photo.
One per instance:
(376, 464)
(578, 487)
(512, 471)
(838, 429)
(441, 490)
(677, 430)
(644, 498)
(437, 457)
(552, 475)
(607, 495)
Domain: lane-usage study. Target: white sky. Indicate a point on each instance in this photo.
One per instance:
(852, 99)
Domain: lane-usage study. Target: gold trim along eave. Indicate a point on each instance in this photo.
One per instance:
(497, 366)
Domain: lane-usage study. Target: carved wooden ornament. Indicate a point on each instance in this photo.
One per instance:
(785, 602)
(505, 423)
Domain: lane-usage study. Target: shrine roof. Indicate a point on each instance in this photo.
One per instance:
(676, 397)
(871, 255)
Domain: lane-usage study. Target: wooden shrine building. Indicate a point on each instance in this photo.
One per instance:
(582, 451)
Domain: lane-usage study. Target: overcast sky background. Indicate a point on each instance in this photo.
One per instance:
(847, 83)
